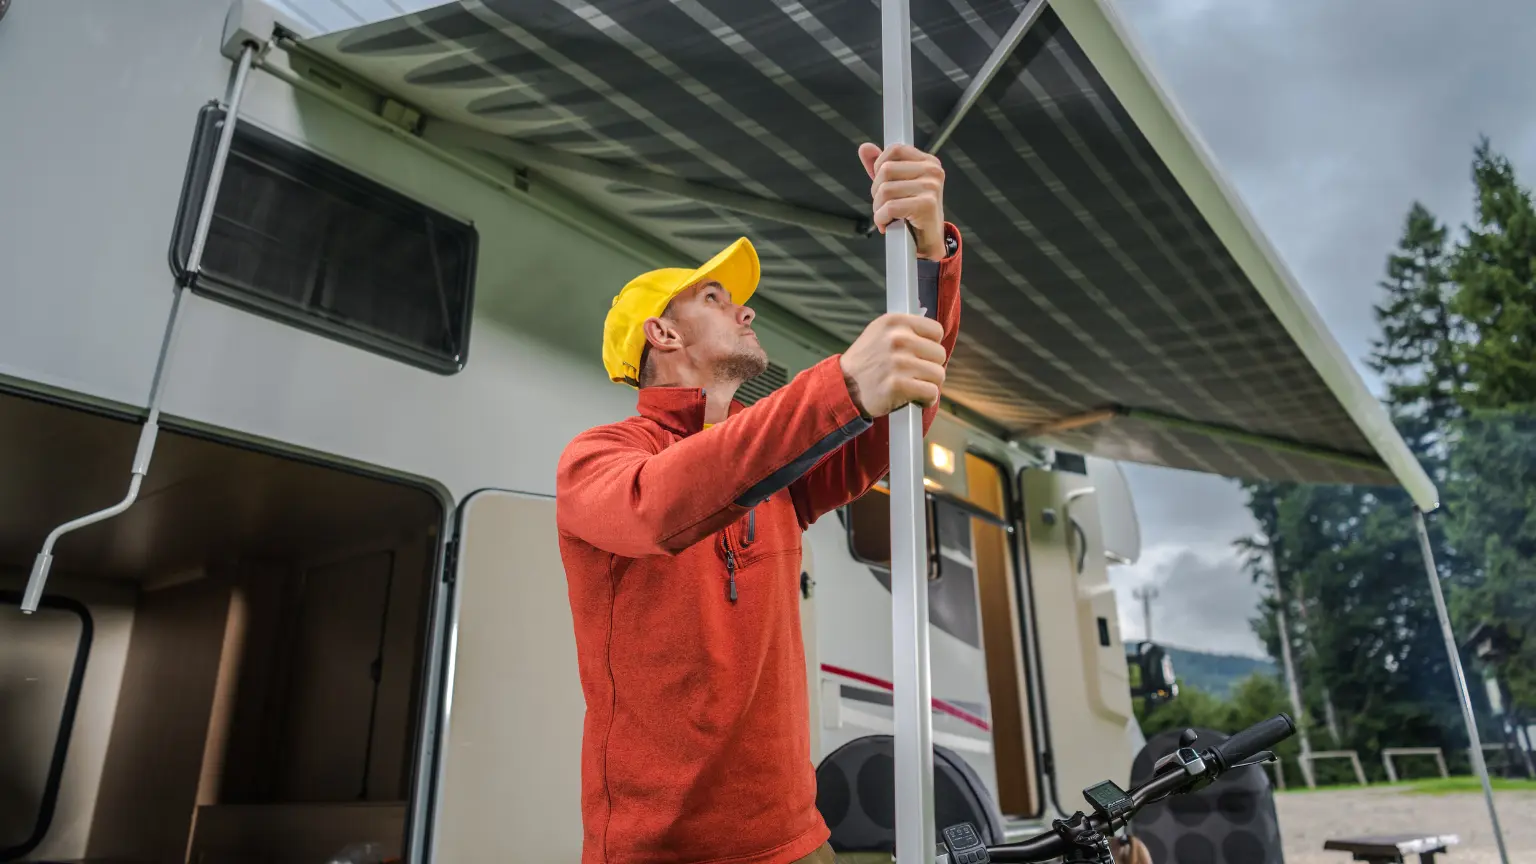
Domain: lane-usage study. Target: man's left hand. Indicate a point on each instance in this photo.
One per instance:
(1134, 852)
(908, 184)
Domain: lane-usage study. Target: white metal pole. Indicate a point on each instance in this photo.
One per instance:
(1454, 655)
(909, 529)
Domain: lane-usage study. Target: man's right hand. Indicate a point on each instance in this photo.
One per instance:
(897, 360)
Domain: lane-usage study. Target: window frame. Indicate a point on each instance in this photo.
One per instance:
(207, 284)
(933, 499)
(49, 802)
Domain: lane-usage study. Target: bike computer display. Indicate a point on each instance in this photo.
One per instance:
(1108, 799)
(965, 846)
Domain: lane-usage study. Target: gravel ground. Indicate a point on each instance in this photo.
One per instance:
(1309, 818)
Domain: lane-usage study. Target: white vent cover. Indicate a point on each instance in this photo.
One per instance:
(754, 389)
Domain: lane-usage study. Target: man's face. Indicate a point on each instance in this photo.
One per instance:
(716, 334)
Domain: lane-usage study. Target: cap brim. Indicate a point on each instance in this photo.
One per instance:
(736, 268)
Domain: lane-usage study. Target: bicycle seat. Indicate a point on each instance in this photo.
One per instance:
(1231, 821)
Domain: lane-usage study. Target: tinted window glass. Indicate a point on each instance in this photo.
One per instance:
(305, 240)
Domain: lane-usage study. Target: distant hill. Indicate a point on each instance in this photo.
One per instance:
(1215, 674)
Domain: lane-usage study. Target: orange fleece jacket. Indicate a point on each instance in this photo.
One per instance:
(681, 548)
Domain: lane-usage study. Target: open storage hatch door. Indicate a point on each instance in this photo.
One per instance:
(512, 742)
(1119, 299)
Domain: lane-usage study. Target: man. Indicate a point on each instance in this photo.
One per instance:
(1134, 852)
(680, 532)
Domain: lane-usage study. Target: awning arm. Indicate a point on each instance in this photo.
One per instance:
(150, 431)
(448, 134)
(1000, 54)
(1453, 654)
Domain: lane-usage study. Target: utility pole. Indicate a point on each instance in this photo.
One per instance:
(1330, 716)
(1146, 594)
(1281, 621)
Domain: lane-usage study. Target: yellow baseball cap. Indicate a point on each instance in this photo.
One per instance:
(737, 270)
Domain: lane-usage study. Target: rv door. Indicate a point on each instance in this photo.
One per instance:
(509, 783)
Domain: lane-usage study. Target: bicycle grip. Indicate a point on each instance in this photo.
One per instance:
(1256, 738)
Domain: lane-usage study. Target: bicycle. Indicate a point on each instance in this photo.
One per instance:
(1084, 839)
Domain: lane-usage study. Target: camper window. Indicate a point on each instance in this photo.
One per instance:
(304, 240)
(868, 521)
(869, 530)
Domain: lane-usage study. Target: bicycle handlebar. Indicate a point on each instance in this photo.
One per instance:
(1172, 780)
(1254, 740)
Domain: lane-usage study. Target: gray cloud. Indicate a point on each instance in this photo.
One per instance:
(1188, 522)
(1330, 117)
(1203, 602)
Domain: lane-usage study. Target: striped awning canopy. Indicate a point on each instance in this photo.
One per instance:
(1118, 299)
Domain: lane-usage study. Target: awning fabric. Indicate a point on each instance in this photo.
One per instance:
(1092, 281)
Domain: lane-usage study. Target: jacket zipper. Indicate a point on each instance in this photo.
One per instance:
(730, 565)
(730, 554)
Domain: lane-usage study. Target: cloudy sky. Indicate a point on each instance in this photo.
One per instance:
(1331, 117)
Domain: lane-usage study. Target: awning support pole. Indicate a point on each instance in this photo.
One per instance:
(150, 431)
(1000, 54)
(909, 529)
(1453, 654)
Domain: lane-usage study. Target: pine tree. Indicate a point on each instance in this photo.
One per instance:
(1417, 352)
(1491, 494)
(1495, 270)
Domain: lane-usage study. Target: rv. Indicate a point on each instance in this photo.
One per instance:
(301, 302)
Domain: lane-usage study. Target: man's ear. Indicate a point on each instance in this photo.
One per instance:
(662, 334)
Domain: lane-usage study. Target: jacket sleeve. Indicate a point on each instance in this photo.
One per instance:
(617, 490)
(854, 468)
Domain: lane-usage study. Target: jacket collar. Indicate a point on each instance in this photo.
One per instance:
(679, 409)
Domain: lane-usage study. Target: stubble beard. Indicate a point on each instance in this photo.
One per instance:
(742, 366)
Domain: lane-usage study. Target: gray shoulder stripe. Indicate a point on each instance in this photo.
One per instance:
(797, 468)
(928, 287)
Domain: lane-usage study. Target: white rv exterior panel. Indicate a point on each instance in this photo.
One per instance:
(98, 101)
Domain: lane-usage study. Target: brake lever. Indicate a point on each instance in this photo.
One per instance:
(1258, 758)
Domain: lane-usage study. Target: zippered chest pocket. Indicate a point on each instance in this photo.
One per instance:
(768, 530)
